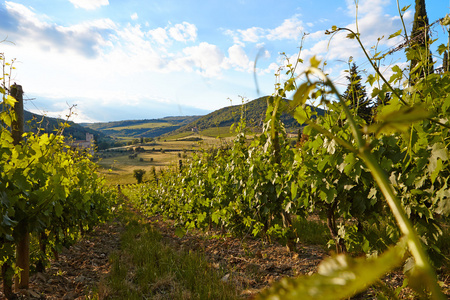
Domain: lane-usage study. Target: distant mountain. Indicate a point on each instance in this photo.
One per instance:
(141, 128)
(254, 111)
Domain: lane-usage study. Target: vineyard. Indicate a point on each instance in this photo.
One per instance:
(50, 194)
(379, 180)
(377, 176)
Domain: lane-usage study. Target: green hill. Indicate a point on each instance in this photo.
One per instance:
(141, 128)
(254, 111)
(74, 131)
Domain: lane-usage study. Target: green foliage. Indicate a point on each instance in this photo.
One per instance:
(46, 189)
(381, 187)
(217, 188)
(139, 175)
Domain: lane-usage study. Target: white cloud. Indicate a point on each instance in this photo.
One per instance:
(134, 16)
(373, 23)
(89, 4)
(238, 58)
(291, 29)
(206, 57)
(21, 11)
(84, 38)
(183, 32)
(159, 35)
(251, 34)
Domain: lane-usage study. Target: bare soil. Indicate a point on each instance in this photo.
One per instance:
(249, 264)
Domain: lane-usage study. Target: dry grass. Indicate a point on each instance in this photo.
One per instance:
(147, 268)
(118, 168)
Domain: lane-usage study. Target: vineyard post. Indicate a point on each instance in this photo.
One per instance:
(23, 245)
(17, 124)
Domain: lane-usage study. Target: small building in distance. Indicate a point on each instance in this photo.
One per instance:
(87, 144)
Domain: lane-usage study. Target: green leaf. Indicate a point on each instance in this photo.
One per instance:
(338, 277)
(352, 35)
(10, 100)
(58, 209)
(443, 206)
(371, 79)
(399, 120)
(314, 62)
(301, 115)
(302, 94)
(405, 8)
(438, 154)
(445, 21)
(442, 48)
(436, 170)
(294, 187)
(398, 74)
(397, 33)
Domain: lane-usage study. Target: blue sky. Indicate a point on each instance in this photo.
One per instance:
(118, 60)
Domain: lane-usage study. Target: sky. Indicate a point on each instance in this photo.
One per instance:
(119, 60)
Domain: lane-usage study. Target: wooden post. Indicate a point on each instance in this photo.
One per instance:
(23, 245)
(17, 125)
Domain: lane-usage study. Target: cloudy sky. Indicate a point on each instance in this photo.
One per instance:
(134, 59)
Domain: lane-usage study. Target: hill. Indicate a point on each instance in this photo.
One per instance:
(255, 113)
(141, 128)
(74, 131)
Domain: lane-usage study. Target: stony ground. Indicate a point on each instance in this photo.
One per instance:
(250, 264)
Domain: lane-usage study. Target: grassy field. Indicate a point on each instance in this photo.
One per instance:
(118, 167)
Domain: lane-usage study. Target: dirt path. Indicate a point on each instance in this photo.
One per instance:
(250, 264)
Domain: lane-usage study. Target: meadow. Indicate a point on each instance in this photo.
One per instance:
(117, 166)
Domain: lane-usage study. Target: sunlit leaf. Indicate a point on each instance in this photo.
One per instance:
(338, 277)
(398, 120)
(10, 100)
(442, 48)
(445, 21)
(302, 94)
(397, 33)
(294, 187)
(314, 62)
(405, 8)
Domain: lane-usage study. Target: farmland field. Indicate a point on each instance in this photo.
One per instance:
(117, 166)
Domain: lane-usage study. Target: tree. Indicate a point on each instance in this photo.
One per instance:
(139, 175)
(445, 62)
(357, 95)
(419, 47)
